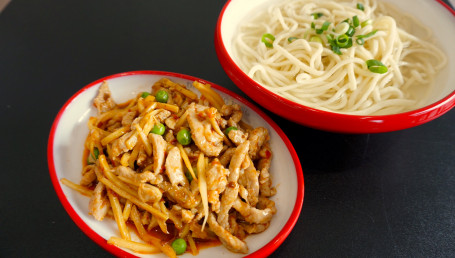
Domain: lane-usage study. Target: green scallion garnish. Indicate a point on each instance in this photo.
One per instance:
(268, 39)
(336, 49)
(367, 35)
(376, 66)
(324, 27)
(96, 153)
(355, 21)
(342, 40)
(317, 15)
(360, 41)
(360, 6)
(291, 39)
(342, 28)
(316, 39)
(365, 23)
(350, 32)
(333, 44)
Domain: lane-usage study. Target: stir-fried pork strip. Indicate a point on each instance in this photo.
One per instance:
(237, 137)
(230, 241)
(181, 195)
(265, 182)
(159, 151)
(257, 138)
(204, 136)
(149, 193)
(250, 180)
(234, 112)
(104, 101)
(232, 189)
(174, 168)
(124, 144)
(253, 215)
(216, 183)
(138, 178)
(99, 203)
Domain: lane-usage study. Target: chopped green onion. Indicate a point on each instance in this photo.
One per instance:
(329, 38)
(333, 45)
(367, 35)
(336, 49)
(317, 15)
(91, 158)
(341, 28)
(268, 39)
(316, 39)
(361, 38)
(376, 66)
(145, 94)
(349, 44)
(351, 31)
(343, 41)
(355, 21)
(96, 153)
(291, 39)
(360, 7)
(366, 23)
(324, 27)
(313, 26)
(360, 41)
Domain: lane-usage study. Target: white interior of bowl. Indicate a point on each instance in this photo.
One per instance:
(429, 12)
(72, 131)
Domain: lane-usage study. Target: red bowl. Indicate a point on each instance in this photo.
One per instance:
(235, 11)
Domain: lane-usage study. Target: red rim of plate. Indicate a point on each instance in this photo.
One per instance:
(262, 252)
(324, 120)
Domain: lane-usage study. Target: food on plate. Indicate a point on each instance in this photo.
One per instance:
(178, 170)
(352, 57)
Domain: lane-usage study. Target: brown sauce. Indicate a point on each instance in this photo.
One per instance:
(173, 234)
(202, 243)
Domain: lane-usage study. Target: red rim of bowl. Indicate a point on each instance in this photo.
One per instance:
(315, 118)
(262, 252)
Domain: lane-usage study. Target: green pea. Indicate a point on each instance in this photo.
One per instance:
(179, 246)
(145, 94)
(189, 176)
(184, 137)
(158, 129)
(162, 96)
(230, 129)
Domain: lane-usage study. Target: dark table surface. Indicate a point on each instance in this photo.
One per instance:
(373, 195)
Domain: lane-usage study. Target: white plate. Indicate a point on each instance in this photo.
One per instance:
(66, 144)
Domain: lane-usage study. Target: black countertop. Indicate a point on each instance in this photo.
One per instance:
(374, 195)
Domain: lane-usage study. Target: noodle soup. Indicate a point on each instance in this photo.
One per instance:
(357, 58)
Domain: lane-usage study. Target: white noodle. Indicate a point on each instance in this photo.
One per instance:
(311, 74)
